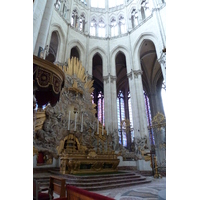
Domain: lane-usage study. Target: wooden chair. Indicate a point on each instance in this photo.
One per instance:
(57, 185)
(39, 194)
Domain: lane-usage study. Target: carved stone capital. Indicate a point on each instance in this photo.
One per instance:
(113, 78)
(106, 78)
(137, 72)
(130, 74)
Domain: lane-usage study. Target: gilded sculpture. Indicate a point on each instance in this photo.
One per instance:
(70, 129)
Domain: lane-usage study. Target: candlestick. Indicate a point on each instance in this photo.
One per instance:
(75, 122)
(69, 121)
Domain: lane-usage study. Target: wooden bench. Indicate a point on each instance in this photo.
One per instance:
(74, 193)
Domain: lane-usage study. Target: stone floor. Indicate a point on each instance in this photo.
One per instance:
(147, 191)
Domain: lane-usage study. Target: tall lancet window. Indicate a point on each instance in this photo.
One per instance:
(100, 107)
(82, 23)
(130, 115)
(93, 27)
(134, 18)
(101, 31)
(122, 25)
(74, 18)
(143, 4)
(114, 27)
(148, 114)
(57, 4)
(121, 117)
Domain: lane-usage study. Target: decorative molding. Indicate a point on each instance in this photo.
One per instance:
(162, 59)
(106, 78)
(130, 74)
(137, 72)
(113, 78)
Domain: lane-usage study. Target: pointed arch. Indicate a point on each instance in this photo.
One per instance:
(102, 54)
(113, 54)
(61, 38)
(80, 48)
(138, 44)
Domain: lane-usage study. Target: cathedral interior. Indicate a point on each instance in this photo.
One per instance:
(99, 86)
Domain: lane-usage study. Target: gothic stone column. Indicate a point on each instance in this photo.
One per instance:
(107, 102)
(162, 61)
(39, 7)
(44, 28)
(141, 105)
(134, 104)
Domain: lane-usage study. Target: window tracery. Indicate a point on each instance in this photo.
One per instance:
(74, 18)
(134, 18)
(122, 25)
(82, 23)
(102, 26)
(93, 27)
(114, 28)
(149, 119)
(121, 117)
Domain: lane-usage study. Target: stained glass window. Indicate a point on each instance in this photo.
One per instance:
(101, 30)
(130, 115)
(93, 27)
(74, 18)
(134, 18)
(122, 25)
(82, 23)
(148, 114)
(121, 116)
(92, 95)
(114, 27)
(100, 111)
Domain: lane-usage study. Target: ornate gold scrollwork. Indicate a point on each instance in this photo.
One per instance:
(158, 121)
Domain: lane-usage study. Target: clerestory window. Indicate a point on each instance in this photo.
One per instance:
(101, 28)
(74, 18)
(113, 27)
(93, 27)
(122, 25)
(82, 23)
